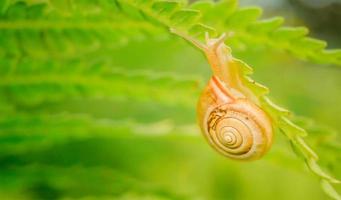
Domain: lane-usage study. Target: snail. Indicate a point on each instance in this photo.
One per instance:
(228, 111)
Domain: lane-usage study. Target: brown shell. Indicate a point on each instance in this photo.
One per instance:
(236, 128)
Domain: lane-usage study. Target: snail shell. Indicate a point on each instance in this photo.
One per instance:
(236, 128)
(228, 114)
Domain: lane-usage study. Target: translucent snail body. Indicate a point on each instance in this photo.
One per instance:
(228, 114)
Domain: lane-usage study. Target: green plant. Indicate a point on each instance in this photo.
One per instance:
(56, 54)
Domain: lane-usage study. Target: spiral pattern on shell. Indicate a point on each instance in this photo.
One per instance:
(239, 130)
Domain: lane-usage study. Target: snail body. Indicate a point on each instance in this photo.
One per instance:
(228, 114)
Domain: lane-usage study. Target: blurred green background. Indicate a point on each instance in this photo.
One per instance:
(91, 110)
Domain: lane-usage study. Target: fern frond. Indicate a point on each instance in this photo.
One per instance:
(52, 88)
(225, 17)
(121, 182)
(194, 19)
(247, 29)
(41, 30)
(22, 131)
(281, 120)
(295, 135)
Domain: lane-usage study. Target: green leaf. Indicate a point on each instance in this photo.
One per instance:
(265, 26)
(307, 152)
(243, 17)
(316, 169)
(289, 33)
(312, 44)
(290, 128)
(185, 17)
(274, 109)
(166, 7)
(328, 188)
